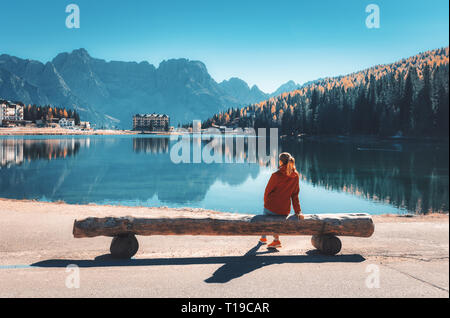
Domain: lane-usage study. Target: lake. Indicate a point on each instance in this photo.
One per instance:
(337, 176)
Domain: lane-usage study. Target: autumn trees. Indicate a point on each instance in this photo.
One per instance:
(409, 98)
(48, 113)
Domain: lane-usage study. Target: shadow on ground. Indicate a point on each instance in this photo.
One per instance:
(233, 266)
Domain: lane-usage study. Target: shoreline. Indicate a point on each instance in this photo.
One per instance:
(366, 138)
(32, 131)
(16, 203)
(21, 131)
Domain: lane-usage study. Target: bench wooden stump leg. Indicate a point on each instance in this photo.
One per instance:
(124, 246)
(327, 244)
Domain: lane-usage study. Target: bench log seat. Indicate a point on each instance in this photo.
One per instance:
(324, 228)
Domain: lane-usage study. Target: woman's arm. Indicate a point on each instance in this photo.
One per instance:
(270, 187)
(294, 198)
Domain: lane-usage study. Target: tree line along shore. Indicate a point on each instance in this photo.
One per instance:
(406, 98)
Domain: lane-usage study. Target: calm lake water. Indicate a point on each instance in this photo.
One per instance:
(375, 177)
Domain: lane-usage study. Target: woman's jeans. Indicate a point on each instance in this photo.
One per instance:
(270, 213)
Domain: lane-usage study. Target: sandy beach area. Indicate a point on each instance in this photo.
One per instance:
(409, 257)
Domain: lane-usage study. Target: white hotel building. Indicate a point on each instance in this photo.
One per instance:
(10, 112)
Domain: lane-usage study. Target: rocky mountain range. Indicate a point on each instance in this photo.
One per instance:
(109, 93)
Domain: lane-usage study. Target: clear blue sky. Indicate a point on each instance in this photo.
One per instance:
(263, 42)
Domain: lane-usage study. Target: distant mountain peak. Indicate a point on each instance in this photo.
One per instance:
(235, 82)
(289, 86)
(255, 88)
(183, 61)
(80, 55)
(81, 52)
(241, 91)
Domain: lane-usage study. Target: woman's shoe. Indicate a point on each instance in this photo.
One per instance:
(263, 240)
(274, 244)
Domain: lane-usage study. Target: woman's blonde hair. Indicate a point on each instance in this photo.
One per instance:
(288, 161)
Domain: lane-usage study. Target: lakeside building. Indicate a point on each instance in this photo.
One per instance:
(66, 122)
(13, 114)
(151, 122)
(10, 113)
(85, 125)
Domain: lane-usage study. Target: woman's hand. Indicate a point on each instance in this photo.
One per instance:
(300, 216)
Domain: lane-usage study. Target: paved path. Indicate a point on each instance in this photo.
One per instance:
(410, 255)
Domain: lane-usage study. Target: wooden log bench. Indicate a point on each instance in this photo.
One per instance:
(324, 228)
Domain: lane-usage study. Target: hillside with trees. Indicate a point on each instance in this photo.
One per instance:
(407, 98)
(48, 113)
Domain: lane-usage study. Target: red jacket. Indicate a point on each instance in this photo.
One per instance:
(280, 190)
